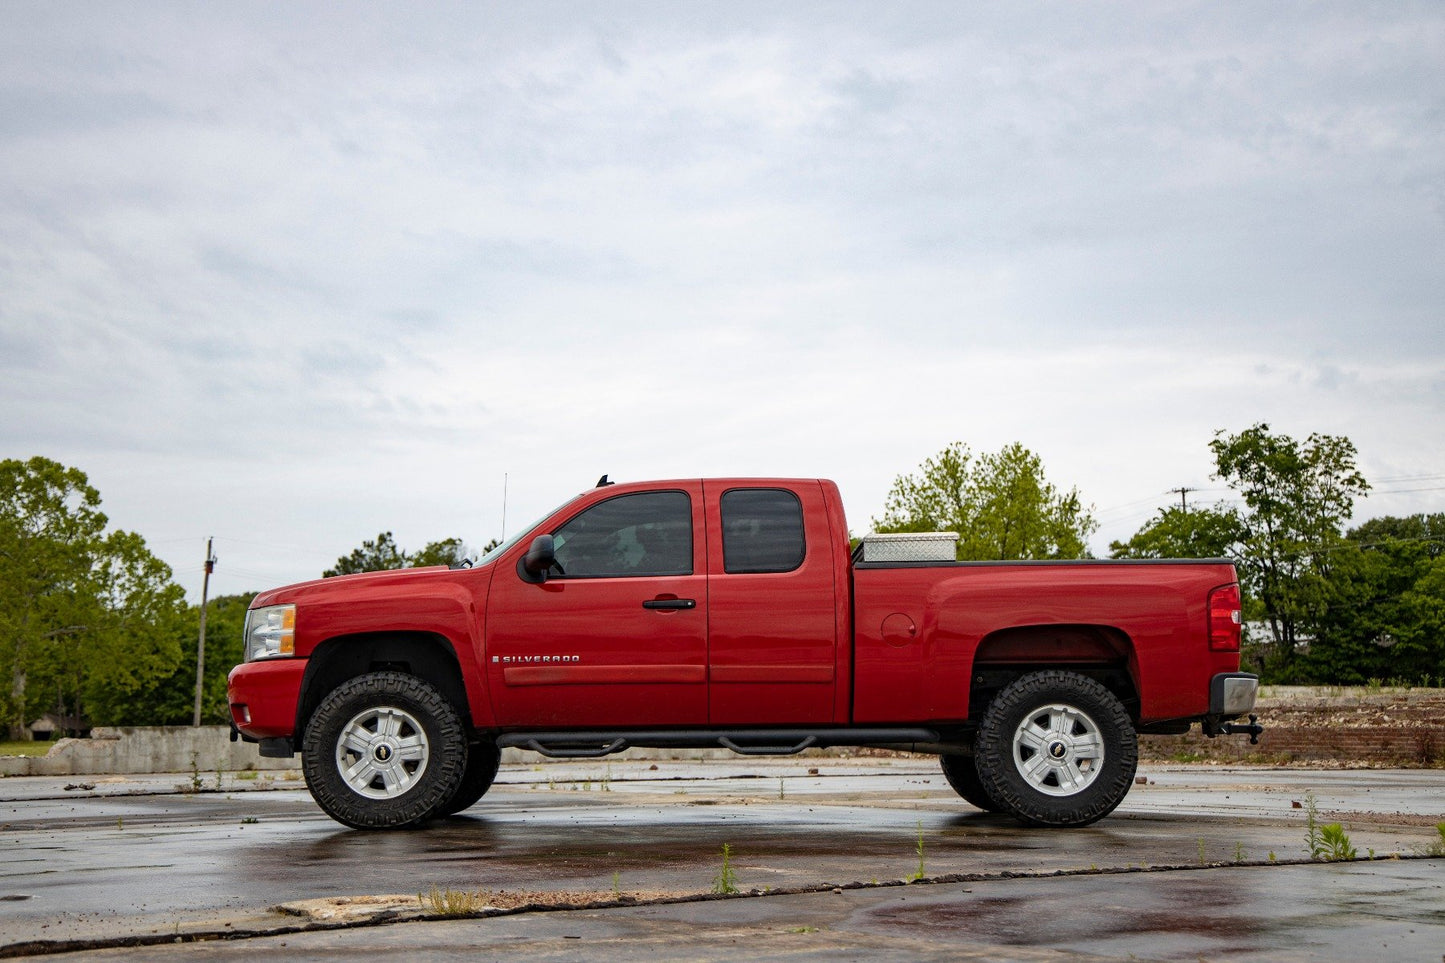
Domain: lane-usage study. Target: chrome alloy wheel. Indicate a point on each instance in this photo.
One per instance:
(1058, 750)
(382, 752)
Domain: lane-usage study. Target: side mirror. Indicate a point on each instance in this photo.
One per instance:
(540, 559)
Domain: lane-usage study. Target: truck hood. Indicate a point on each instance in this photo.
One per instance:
(342, 585)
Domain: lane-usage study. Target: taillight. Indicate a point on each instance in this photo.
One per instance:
(1226, 620)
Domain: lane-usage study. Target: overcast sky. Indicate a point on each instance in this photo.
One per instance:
(293, 274)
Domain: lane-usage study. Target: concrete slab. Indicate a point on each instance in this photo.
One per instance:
(103, 864)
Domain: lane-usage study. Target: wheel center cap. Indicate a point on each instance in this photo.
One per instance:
(1058, 750)
(382, 752)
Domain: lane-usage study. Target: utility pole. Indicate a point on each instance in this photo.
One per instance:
(1182, 492)
(201, 643)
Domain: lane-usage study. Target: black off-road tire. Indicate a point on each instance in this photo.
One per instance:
(962, 774)
(483, 760)
(410, 735)
(1056, 749)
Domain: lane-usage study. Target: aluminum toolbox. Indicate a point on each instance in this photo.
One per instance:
(910, 547)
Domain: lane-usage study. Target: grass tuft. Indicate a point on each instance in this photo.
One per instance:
(452, 902)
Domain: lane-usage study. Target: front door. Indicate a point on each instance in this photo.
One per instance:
(619, 638)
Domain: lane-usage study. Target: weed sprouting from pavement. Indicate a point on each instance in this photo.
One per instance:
(195, 772)
(726, 881)
(1334, 844)
(452, 902)
(1239, 856)
(1202, 860)
(1437, 846)
(1328, 842)
(921, 871)
(1312, 827)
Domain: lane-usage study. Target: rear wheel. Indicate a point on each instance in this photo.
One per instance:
(384, 751)
(962, 774)
(483, 760)
(1056, 749)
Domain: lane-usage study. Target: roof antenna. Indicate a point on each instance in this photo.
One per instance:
(603, 482)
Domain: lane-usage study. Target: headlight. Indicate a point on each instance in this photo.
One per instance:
(270, 632)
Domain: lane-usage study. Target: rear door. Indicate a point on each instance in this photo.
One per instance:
(618, 639)
(773, 656)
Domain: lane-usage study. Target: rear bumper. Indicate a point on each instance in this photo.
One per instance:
(263, 697)
(1232, 694)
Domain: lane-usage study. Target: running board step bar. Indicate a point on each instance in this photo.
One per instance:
(748, 742)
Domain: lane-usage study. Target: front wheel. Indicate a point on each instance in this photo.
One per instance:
(384, 751)
(1057, 749)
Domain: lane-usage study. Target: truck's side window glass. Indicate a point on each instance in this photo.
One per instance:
(649, 533)
(762, 530)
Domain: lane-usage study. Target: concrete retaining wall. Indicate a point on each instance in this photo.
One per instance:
(137, 749)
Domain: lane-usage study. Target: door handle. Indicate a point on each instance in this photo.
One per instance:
(670, 604)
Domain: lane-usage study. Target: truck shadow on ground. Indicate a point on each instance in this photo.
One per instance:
(681, 850)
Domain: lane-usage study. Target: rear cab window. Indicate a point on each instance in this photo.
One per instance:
(762, 531)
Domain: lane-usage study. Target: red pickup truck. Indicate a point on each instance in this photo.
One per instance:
(733, 613)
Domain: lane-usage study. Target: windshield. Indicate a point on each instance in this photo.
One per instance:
(491, 554)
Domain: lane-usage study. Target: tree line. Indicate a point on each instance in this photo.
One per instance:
(93, 626)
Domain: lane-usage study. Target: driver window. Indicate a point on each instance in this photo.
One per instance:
(649, 533)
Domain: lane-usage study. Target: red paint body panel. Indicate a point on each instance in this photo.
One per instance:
(267, 693)
(773, 636)
(1160, 609)
(824, 644)
(633, 666)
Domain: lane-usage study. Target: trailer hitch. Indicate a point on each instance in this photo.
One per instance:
(1252, 729)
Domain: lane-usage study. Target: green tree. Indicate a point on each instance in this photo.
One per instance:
(135, 644)
(375, 555)
(170, 700)
(85, 616)
(448, 551)
(50, 524)
(1184, 533)
(1381, 600)
(1297, 498)
(383, 554)
(1000, 504)
(1420, 647)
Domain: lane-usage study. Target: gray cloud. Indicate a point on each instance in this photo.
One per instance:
(251, 255)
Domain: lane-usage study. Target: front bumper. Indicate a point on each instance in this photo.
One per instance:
(263, 697)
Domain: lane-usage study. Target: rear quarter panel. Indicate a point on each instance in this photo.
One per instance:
(1159, 608)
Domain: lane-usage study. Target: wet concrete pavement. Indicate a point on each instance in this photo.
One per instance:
(103, 864)
(1321, 912)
